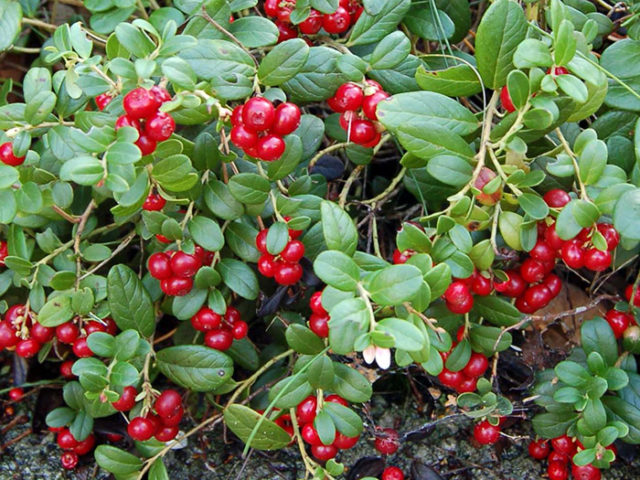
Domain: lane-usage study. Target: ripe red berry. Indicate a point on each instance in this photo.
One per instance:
(324, 452)
(232, 315)
(287, 119)
(312, 24)
(154, 202)
(7, 157)
(348, 97)
(558, 471)
(69, 460)
(125, 121)
(272, 7)
(66, 440)
(218, 339)
(556, 198)
(370, 104)
(558, 71)
(240, 330)
(537, 296)
(485, 433)
(319, 324)
(86, 445)
(159, 265)
(140, 103)
(4, 252)
(481, 285)
(42, 334)
(310, 435)
(102, 100)
(505, 100)
(557, 457)
(8, 335)
(337, 22)
(176, 286)
(146, 145)
(293, 251)
(451, 379)
(16, 394)
(392, 473)
(160, 126)
(306, 410)
(458, 297)
(258, 114)
(552, 239)
(185, 265)
(336, 399)
(81, 348)
(67, 332)
(285, 31)
(65, 369)
(288, 273)
(362, 132)
(127, 399)
(619, 321)
(467, 385)
(315, 303)
(564, 445)
(476, 366)
(387, 441)
(160, 94)
(141, 429)
(553, 283)
(166, 434)
(342, 442)
(532, 271)
(168, 403)
(585, 472)
(261, 240)
(93, 326)
(162, 238)
(270, 148)
(539, 449)
(542, 252)
(597, 260)
(573, 254)
(206, 319)
(27, 348)
(267, 265)
(242, 137)
(610, 234)
(173, 420)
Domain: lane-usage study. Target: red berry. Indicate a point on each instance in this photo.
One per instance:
(159, 265)
(160, 94)
(553, 283)
(27, 348)
(564, 445)
(258, 114)
(81, 348)
(636, 298)
(505, 99)
(558, 471)
(141, 429)
(7, 157)
(16, 394)
(65, 369)
(537, 296)
(619, 322)
(597, 260)
(532, 271)
(242, 137)
(267, 265)
(67, 332)
(451, 379)
(610, 234)
(240, 330)
(127, 399)
(270, 148)
(173, 420)
(315, 303)
(542, 252)
(481, 285)
(285, 31)
(4, 252)
(162, 238)
(310, 435)
(146, 145)
(206, 319)
(552, 239)
(573, 254)
(558, 457)
(293, 251)
(42, 334)
(232, 315)
(558, 71)
(160, 126)
(348, 97)
(288, 273)
(176, 286)
(93, 326)
(324, 452)
(166, 434)
(342, 442)
(362, 132)
(86, 445)
(125, 121)
(585, 472)
(153, 202)
(458, 297)
(287, 119)
(69, 460)
(272, 7)
(336, 399)
(140, 103)
(8, 335)
(185, 265)
(261, 240)
(476, 366)
(337, 22)
(402, 257)
(370, 104)
(66, 440)
(485, 433)
(467, 385)
(102, 100)
(556, 198)
(168, 403)
(306, 410)
(218, 339)
(319, 324)
(387, 442)
(539, 449)
(312, 24)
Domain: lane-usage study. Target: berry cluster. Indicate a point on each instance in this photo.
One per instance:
(357, 108)
(319, 319)
(283, 267)
(559, 455)
(7, 156)
(485, 433)
(163, 425)
(339, 21)
(458, 296)
(220, 331)
(257, 127)
(141, 107)
(387, 441)
(69, 333)
(72, 447)
(306, 413)
(176, 270)
(466, 379)
(20, 333)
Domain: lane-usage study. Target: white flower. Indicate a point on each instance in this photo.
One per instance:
(382, 356)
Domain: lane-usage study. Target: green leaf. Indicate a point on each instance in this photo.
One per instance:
(320, 374)
(101, 343)
(459, 356)
(206, 233)
(391, 51)
(303, 340)
(509, 224)
(56, 311)
(195, 367)
(254, 31)
(290, 391)
(338, 229)
(457, 81)
(60, 417)
(533, 205)
(532, 53)
(349, 320)
(350, 384)
(372, 28)
(129, 301)
(175, 173)
(428, 23)
(621, 60)
(572, 373)
(502, 28)
(594, 414)
(597, 336)
(212, 59)
(134, 40)
(346, 420)
(243, 421)
(337, 269)
(158, 471)
(10, 22)
(394, 284)
(277, 238)
(249, 188)
(239, 277)
(497, 311)
(283, 62)
(450, 170)
(117, 461)
(405, 334)
(626, 214)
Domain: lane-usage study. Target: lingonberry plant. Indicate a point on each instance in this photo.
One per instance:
(212, 210)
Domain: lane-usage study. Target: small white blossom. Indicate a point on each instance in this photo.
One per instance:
(382, 356)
